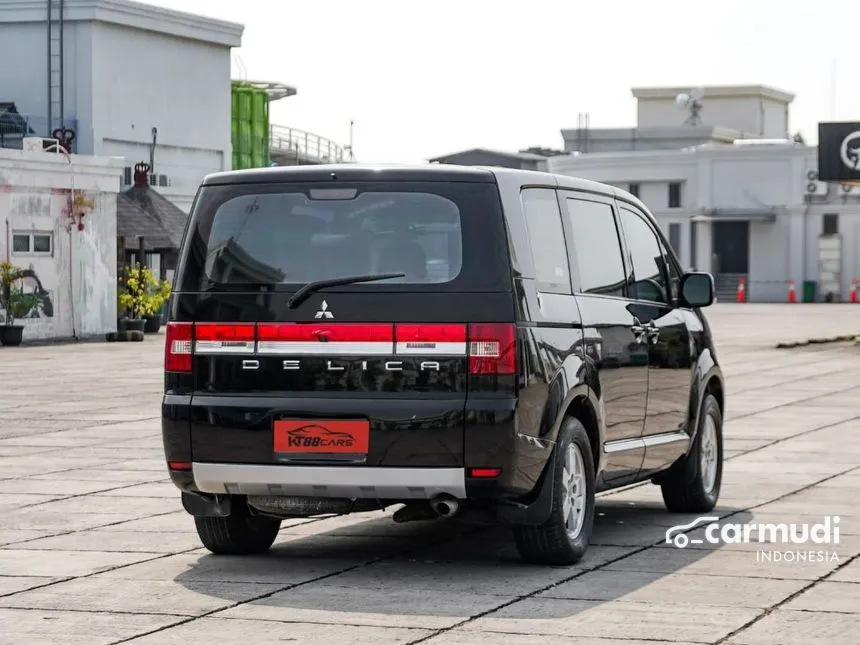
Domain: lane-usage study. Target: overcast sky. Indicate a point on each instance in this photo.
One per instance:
(422, 79)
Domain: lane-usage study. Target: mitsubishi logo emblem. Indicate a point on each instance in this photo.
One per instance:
(324, 312)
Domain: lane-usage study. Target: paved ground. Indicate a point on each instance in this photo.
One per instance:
(95, 548)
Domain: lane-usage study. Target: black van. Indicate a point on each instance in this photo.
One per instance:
(453, 339)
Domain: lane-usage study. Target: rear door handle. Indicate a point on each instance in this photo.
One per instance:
(653, 332)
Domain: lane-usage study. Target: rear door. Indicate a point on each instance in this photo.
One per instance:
(371, 373)
(619, 354)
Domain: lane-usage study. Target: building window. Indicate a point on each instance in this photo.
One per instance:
(32, 243)
(830, 224)
(675, 195)
(633, 189)
(675, 238)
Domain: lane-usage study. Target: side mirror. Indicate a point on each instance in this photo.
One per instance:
(697, 290)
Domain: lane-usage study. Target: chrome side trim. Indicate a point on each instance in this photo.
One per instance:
(644, 442)
(354, 482)
(334, 348)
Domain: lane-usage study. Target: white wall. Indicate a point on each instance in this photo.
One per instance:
(79, 273)
(182, 87)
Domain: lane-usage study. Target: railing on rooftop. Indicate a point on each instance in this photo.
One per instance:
(15, 126)
(303, 146)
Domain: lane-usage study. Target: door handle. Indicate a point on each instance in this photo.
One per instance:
(653, 332)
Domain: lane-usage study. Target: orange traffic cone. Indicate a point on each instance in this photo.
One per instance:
(742, 290)
(852, 293)
(792, 295)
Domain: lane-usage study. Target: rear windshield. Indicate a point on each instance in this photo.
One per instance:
(289, 234)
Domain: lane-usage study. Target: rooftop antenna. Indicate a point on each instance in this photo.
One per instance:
(693, 103)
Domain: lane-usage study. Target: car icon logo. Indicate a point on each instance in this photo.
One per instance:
(323, 312)
(677, 536)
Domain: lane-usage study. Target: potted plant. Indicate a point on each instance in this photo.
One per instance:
(14, 302)
(159, 293)
(135, 298)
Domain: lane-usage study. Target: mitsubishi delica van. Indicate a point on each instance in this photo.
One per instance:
(443, 340)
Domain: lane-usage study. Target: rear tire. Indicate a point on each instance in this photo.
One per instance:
(695, 486)
(563, 539)
(240, 533)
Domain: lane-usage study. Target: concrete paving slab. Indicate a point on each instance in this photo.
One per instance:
(849, 573)
(620, 619)
(272, 633)
(827, 596)
(14, 584)
(741, 564)
(119, 541)
(72, 627)
(639, 586)
(471, 637)
(801, 628)
(23, 562)
(337, 604)
(138, 596)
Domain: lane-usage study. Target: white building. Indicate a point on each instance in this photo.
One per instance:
(733, 193)
(121, 75)
(71, 264)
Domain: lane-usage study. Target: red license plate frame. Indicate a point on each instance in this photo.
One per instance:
(310, 437)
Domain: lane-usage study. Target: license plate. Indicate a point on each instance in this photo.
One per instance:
(321, 437)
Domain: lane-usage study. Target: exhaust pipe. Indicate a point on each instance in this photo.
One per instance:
(444, 505)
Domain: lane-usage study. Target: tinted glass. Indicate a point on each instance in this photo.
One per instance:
(546, 237)
(42, 243)
(441, 235)
(598, 251)
(20, 243)
(289, 238)
(649, 268)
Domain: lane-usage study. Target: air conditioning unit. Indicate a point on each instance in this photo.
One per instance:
(40, 144)
(813, 186)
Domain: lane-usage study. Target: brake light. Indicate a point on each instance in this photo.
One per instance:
(492, 349)
(178, 339)
(325, 338)
(216, 338)
(445, 340)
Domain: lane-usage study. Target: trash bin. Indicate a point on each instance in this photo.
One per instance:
(809, 287)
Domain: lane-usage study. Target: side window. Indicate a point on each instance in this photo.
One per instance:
(649, 262)
(546, 237)
(600, 267)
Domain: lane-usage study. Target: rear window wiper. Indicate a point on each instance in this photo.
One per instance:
(301, 295)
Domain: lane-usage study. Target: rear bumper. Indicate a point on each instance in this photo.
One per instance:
(329, 481)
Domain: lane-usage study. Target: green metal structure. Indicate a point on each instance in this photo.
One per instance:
(250, 126)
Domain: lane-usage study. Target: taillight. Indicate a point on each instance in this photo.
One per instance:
(219, 338)
(325, 338)
(178, 340)
(492, 349)
(442, 340)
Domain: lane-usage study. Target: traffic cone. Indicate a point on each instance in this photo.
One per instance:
(852, 293)
(792, 295)
(742, 290)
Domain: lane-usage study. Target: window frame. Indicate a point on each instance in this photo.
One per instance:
(31, 243)
(542, 286)
(563, 195)
(666, 250)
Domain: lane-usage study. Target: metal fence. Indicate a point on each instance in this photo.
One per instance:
(14, 127)
(303, 146)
